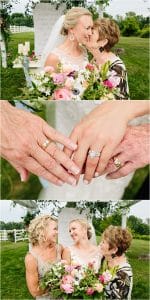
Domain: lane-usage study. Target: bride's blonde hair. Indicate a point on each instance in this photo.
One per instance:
(85, 225)
(72, 17)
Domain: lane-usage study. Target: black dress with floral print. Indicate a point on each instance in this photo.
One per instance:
(120, 286)
(117, 70)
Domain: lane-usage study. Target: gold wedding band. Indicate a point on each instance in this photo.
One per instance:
(117, 163)
(45, 144)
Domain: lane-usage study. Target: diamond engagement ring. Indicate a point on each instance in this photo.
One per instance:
(93, 153)
(45, 144)
(117, 163)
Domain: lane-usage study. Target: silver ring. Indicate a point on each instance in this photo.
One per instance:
(117, 163)
(93, 153)
(45, 144)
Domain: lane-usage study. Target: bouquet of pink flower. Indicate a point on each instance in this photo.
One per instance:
(51, 85)
(100, 83)
(75, 282)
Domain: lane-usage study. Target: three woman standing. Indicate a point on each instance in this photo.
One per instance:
(109, 254)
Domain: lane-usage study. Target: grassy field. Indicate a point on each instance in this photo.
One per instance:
(13, 284)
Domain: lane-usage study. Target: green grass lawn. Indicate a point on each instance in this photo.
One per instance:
(13, 285)
(136, 58)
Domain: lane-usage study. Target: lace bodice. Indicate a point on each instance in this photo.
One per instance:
(77, 63)
(94, 258)
(44, 266)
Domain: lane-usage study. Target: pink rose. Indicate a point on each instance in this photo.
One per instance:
(105, 277)
(67, 287)
(49, 69)
(69, 268)
(114, 81)
(90, 291)
(67, 279)
(59, 78)
(91, 265)
(90, 67)
(108, 83)
(62, 94)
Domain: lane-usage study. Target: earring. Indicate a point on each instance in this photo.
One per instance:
(101, 49)
(71, 37)
(113, 255)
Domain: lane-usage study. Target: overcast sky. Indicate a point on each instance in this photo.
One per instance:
(10, 213)
(116, 7)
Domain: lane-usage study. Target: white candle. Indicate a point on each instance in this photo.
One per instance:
(25, 51)
(27, 44)
(20, 48)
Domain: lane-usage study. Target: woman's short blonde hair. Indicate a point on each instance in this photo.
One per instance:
(37, 229)
(109, 30)
(72, 17)
(118, 237)
(85, 225)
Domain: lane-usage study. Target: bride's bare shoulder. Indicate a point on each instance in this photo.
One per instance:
(52, 60)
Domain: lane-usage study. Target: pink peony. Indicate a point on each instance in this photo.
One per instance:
(59, 78)
(90, 291)
(62, 94)
(49, 69)
(67, 287)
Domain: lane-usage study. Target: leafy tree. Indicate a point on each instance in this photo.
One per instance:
(137, 225)
(11, 225)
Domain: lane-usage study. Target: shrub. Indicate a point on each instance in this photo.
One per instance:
(141, 237)
(145, 32)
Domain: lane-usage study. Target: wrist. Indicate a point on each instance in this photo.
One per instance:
(136, 108)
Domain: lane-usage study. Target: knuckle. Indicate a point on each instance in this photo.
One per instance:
(91, 164)
(51, 165)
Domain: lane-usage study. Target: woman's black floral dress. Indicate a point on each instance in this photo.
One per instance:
(120, 287)
(118, 70)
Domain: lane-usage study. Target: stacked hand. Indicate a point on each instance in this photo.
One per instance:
(101, 143)
(103, 131)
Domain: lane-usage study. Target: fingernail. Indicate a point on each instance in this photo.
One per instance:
(96, 174)
(22, 178)
(73, 146)
(60, 182)
(72, 181)
(86, 181)
(75, 170)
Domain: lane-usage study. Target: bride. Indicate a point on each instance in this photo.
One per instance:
(82, 252)
(65, 41)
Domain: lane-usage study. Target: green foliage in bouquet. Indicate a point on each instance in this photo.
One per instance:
(96, 89)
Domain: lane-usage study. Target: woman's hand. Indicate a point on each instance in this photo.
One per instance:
(102, 130)
(23, 137)
(132, 152)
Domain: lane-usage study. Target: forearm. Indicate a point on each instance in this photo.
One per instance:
(126, 110)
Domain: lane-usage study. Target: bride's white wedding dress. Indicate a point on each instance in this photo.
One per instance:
(94, 258)
(67, 115)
